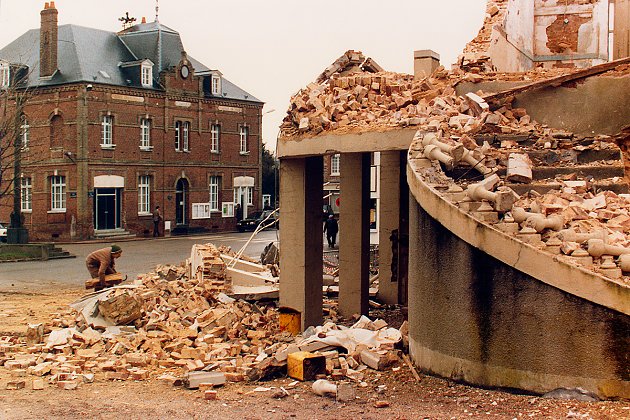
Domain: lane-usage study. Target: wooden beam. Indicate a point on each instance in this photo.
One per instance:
(557, 81)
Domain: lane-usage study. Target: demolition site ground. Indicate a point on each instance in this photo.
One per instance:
(392, 394)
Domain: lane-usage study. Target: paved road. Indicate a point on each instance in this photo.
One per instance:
(139, 256)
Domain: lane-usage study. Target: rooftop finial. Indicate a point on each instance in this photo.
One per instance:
(157, 10)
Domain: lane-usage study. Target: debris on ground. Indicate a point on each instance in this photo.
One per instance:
(179, 324)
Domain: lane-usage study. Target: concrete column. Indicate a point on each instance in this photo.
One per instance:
(424, 63)
(301, 244)
(389, 215)
(354, 234)
(621, 37)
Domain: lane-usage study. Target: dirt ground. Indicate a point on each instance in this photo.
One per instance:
(405, 397)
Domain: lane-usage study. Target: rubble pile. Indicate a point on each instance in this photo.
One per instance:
(361, 100)
(171, 325)
(392, 100)
(576, 217)
(475, 58)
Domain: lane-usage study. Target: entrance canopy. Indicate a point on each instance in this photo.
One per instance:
(243, 181)
(109, 181)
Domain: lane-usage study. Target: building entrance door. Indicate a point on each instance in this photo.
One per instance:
(181, 202)
(106, 208)
(241, 197)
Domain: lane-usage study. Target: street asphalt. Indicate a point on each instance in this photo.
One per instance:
(139, 257)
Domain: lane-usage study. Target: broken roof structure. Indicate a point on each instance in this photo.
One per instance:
(519, 198)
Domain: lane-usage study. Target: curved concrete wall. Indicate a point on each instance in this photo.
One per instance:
(477, 319)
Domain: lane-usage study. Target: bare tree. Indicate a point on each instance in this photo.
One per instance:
(13, 132)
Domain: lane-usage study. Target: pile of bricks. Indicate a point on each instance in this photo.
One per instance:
(496, 11)
(360, 100)
(170, 325)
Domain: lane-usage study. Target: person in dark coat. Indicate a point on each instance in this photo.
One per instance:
(101, 262)
(331, 227)
(157, 218)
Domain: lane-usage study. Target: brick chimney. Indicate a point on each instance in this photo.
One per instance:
(48, 40)
(424, 63)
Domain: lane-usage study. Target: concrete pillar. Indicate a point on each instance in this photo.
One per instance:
(389, 215)
(354, 233)
(301, 244)
(621, 34)
(424, 63)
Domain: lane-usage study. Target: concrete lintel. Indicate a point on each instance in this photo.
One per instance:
(245, 278)
(372, 141)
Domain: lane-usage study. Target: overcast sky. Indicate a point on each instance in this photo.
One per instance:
(272, 48)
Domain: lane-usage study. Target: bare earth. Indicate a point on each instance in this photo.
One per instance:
(430, 398)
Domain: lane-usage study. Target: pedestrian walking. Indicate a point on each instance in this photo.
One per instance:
(331, 227)
(157, 218)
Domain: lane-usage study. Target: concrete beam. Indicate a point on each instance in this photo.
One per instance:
(323, 144)
(354, 245)
(301, 264)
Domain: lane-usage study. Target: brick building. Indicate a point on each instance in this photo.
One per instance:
(117, 123)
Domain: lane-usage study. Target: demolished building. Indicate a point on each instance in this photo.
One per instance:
(508, 177)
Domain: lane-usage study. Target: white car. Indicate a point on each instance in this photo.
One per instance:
(3, 233)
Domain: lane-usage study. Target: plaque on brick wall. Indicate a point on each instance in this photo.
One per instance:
(73, 194)
(229, 109)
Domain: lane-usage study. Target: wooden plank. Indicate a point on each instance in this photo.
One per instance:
(556, 81)
(110, 280)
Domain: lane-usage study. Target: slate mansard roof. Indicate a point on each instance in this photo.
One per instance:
(95, 56)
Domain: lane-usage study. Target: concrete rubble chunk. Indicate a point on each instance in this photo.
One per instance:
(519, 168)
(192, 380)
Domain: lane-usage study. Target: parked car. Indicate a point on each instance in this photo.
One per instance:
(256, 218)
(3, 233)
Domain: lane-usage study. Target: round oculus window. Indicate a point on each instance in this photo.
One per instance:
(184, 71)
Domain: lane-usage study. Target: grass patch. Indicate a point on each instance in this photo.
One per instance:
(6, 255)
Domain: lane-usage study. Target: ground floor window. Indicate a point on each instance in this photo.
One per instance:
(201, 211)
(27, 194)
(58, 193)
(144, 194)
(215, 181)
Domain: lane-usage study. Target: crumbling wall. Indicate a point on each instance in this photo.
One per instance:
(570, 30)
(521, 34)
(597, 105)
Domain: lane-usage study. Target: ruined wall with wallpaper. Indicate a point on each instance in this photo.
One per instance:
(522, 34)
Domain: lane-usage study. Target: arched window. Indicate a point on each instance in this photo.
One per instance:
(56, 131)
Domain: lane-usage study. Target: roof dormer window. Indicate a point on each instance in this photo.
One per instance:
(5, 75)
(147, 74)
(216, 84)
